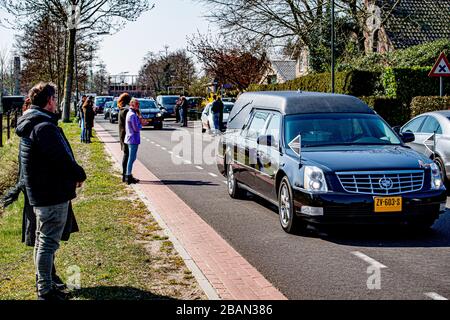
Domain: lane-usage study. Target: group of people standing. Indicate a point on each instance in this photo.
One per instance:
(86, 114)
(181, 111)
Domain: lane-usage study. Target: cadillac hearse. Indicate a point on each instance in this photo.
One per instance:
(327, 159)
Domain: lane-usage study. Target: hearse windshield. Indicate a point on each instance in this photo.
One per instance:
(339, 129)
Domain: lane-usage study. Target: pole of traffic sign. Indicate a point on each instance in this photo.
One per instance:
(441, 86)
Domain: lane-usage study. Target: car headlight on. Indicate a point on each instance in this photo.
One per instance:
(436, 180)
(314, 180)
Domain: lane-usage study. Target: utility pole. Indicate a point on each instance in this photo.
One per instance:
(332, 49)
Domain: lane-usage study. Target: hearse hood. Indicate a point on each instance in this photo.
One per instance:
(365, 158)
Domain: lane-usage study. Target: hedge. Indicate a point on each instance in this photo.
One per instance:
(355, 82)
(390, 109)
(421, 105)
(407, 83)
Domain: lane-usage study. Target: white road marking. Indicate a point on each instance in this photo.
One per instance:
(158, 145)
(213, 174)
(165, 149)
(152, 142)
(199, 168)
(170, 152)
(435, 296)
(226, 182)
(187, 162)
(368, 259)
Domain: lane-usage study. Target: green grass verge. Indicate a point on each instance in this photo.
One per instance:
(121, 251)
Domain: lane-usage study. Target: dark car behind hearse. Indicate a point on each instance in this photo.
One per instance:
(327, 159)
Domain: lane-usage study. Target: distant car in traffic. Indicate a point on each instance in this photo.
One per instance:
(99, 103)
(114, 112)
(167, 105)
(151, 114)
(107, 109)
(432, 133)
(207, 116)
(327, 159)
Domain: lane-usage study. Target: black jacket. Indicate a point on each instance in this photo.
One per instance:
(49, 169)
(122, 124)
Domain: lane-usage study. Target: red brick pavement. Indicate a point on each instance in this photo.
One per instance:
(232, 277)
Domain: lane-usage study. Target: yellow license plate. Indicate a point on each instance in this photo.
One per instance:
(388, 204)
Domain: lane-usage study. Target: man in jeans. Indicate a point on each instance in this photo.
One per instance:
(51, 176)
(217, 110)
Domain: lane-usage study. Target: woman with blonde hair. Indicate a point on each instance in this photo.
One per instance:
(132, 138)
(124, 106)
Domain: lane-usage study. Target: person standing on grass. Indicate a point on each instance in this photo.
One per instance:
(132, 138)
(89, 116)
(29, 218)
(124, 106)
(81, 113)
(51, 176)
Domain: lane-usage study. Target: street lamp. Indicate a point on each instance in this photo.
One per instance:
(332, 49)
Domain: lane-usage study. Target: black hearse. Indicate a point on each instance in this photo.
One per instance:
(327, 159)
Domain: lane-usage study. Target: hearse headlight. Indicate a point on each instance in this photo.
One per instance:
(314, 180)
(158, 115)
(436, 179)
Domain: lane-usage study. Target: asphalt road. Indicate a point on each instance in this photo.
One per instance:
(320, 265)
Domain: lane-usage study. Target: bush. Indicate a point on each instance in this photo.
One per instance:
(390, 109)
(356, 83)
(421, 105)
(407, 83)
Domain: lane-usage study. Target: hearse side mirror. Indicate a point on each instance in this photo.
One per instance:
(266, 140)
(397, 129)
(407, 137)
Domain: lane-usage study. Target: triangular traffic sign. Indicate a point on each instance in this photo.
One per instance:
(441, 68)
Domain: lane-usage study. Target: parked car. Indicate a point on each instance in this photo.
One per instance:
(167, 105)
(107, 109)
(151, 114)
(435, 147)
(207, 116)
(327, 159)
(99, 103)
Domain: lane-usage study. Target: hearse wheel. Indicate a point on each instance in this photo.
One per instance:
(232, 186)
(288, 220)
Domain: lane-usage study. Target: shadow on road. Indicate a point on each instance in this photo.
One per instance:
(395, 237)
(116, 293)
(180, 182)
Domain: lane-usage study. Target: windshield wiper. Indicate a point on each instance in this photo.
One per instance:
(243, 107)
(348, 144)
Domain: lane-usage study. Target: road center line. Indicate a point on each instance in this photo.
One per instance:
(368, 259)
(199, 168)
(435, 296)
(213, 175)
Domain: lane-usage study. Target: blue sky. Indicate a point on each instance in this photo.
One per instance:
(169, 23)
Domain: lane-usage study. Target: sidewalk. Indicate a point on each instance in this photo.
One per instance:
(221, 271)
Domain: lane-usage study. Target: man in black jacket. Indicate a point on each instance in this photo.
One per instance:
(51, 176)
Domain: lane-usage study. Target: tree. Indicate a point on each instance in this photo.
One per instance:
(100, 81)
(172, 69)
(90, 16)
(296, 24)
(4, 56)
(238, 62)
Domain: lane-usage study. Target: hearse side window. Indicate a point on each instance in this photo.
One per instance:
(257, 125)
(274, 128)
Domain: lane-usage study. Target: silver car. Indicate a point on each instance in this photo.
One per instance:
(435, 147)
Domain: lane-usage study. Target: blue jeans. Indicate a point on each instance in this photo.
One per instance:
(50, 223)
(133, 149)
(216, 118)
(83, 131)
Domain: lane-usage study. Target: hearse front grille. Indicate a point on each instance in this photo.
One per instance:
(382, 183)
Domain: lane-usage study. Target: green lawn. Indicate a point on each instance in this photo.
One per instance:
(121, 251)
